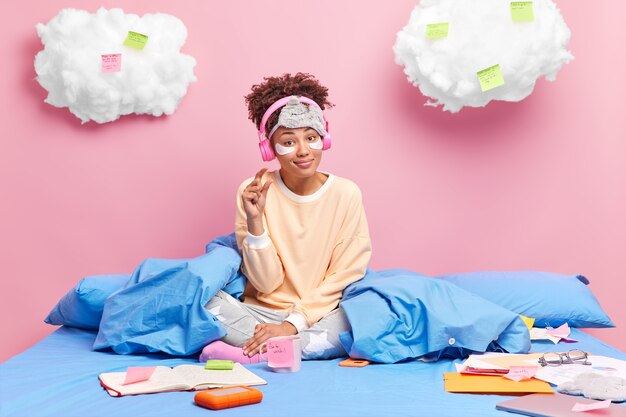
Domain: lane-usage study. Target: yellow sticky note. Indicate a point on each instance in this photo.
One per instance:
(437, 30)
(136, 40)
(529, 321)
(522, 11)
(490, 78)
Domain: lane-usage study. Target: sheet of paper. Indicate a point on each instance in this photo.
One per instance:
(517, 373)
(537, 333)
(562, 331)
(602, 365)
(490, 78)
(503, 361)
(111, 62)
(136, 40)
(522, 11)
(591, 406)
(437, 30)
(138, 374)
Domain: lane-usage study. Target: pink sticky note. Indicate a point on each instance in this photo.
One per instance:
(138, 374)
(111, 62)
(591, 406)
(517, 373)
(562, 332)
(280, 352)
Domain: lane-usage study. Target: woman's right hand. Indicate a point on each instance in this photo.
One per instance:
(253, 197)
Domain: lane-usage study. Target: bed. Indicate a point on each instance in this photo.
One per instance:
(156, 316)
(58, 377)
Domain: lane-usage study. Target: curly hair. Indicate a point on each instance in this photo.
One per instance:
(274, 88)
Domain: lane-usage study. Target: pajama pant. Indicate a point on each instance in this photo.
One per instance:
(320, 341)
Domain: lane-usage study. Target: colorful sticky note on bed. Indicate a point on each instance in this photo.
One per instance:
(437, 30)
(522, 11)
(517, 373)
(136, 40)
(591, 406)
(490, 78)
(219, 364)
(528, 321)
(138, 374)
(562, 331)
(281, 352)
(111, 62)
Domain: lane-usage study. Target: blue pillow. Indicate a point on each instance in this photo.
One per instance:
(82, 306)
(551, 299)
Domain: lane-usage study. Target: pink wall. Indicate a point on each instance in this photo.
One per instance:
(539, 184)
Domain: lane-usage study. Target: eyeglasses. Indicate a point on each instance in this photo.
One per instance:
(573, 356)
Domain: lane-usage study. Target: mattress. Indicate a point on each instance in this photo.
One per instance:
(59, 377)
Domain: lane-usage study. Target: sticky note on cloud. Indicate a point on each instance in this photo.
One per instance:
(522, 11)
(437, 30)
(111, 62)
(136, 374)
(490, 78)
(136, 40)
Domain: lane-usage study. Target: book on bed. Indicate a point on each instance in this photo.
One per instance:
(179, 378)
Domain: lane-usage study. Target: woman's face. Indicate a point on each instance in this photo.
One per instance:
(299, 150)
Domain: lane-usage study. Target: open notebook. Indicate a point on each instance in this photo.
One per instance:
(179, 378)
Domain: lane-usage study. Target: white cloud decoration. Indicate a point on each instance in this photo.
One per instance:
(481, 34)
(152, 80)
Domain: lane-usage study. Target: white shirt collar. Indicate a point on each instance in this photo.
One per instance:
(303, 198)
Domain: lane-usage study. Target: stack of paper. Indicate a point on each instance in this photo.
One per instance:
(567, 372)
(496, 373)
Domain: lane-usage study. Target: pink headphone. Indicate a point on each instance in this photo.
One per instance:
(264, 142)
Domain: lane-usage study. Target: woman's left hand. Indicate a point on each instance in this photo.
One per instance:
(264, 331)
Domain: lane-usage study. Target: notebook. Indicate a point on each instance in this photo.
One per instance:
(179, 378)
(556, 405)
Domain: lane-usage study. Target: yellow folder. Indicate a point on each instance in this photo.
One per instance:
(487, 384)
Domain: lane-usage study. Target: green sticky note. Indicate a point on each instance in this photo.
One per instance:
(136, 40)
(437, 30)
(490, 78)
(221, 365)
(522, 11)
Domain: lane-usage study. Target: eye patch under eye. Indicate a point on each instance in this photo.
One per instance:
(316, 145)
(284, 150)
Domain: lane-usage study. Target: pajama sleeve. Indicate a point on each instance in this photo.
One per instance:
(260, 261)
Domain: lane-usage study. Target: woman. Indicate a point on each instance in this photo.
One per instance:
(302, 233)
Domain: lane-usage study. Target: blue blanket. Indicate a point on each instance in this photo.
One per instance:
(161, 308)
(394, 314)
(398, 314)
